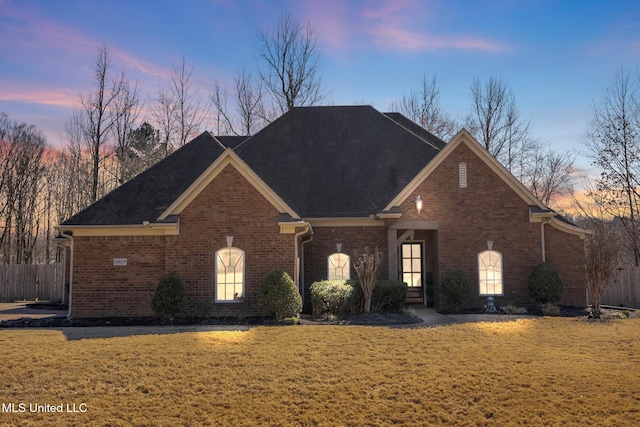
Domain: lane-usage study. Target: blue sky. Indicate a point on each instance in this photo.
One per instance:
(556, 55)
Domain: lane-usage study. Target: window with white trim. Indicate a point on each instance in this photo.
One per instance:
(339, 266)
(229, 274)
(490, 272)
(462, 175)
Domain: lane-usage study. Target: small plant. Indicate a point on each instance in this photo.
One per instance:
(544, 284)
(279, 296)
(512, 309)
(455, 287)
(550, 309)
(170, 297)
(408, 311)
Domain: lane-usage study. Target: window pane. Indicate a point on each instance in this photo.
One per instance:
(417, 280)
(338, 267)
(406, 251)
(415, 250)
(490, 273)
(229, 274)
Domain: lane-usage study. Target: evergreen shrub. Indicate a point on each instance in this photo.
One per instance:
(170, 296)
(456, 286)
(545, 285)
(279, 296)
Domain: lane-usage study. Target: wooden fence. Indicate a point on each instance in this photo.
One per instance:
(624, 289)
(43, 282)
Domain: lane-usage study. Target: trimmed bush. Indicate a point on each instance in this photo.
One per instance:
(456, 286)
(346, 296)
(330, 296)
(279, 296)
(544, 284)
(170, 297)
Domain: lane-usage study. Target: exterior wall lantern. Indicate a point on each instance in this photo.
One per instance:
(419, 204)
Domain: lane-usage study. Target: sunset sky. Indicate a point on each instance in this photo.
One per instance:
(556, 55)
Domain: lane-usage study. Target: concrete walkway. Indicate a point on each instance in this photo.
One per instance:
(20, 310)
(431, 317)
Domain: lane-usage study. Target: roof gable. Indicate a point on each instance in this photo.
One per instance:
(228, 157)
(464, 137)
(336, 161)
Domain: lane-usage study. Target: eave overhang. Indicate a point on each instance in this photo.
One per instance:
(144, 229)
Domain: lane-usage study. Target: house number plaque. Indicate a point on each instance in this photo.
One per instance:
(119, 261)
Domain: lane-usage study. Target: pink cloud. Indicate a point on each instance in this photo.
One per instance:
(29, 31)
(57, 97)
(145, 67)
(400, 25)
(388, 36)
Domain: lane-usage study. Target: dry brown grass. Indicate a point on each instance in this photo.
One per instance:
(547, 371)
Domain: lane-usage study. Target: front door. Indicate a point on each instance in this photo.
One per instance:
(412, 270)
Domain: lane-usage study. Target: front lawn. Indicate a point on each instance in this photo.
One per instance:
(545, 371)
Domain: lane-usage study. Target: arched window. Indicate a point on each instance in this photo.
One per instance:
(229, 274)
(490, 269)
(339, 267)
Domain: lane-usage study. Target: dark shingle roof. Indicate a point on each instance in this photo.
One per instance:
(336, 161)
(417, 129)
(146, 196)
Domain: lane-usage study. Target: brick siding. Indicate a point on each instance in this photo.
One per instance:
(228, 206)
(489, 210)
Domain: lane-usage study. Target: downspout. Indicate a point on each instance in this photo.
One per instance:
(542, 223)
(296, 265)
(302, 262)
(70, 237)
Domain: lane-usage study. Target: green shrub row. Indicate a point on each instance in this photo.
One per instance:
(346, 296)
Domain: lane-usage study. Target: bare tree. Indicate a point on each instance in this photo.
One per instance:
(22, 184)
(180, 111)
(496, 122)
(367, 266)
(550, 175)
(290, 64)
(423, 107)
(126, 112)
(163, 117)
(613, 144)
(248, 115)
(601, 259)
(190, 109)
(100, 114)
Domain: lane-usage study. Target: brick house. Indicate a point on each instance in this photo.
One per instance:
(301, 196)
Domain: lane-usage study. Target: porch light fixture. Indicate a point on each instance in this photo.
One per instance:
(229, 241)
(419, 204)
